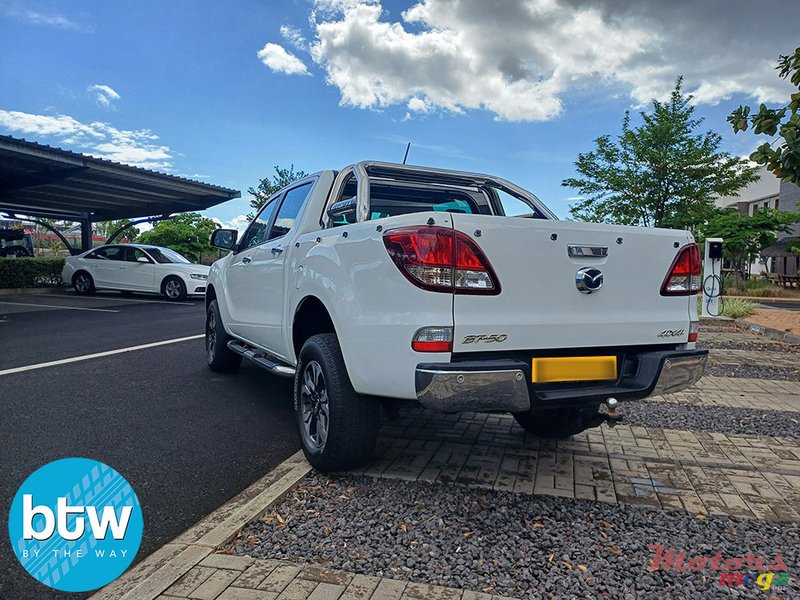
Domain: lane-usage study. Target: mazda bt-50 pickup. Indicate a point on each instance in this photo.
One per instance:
(463, 292)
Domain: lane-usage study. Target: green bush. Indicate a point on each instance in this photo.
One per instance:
(38, 271)
(736, 308)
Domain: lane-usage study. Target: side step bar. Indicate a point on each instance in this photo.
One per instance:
(259, 357)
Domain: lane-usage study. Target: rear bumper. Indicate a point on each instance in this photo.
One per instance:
(505, 385)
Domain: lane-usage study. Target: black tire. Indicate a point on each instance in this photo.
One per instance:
(83, 283)
(352, 421)
(173, 288)
(556, 424)
(219, 357)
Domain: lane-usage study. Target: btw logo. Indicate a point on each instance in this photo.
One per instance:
(75, 524)
(100, 526)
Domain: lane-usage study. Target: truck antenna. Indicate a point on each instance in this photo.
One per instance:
(405, 157)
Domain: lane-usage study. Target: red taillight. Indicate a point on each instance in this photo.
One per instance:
(694, 328)
(433, 339)
(683, 277)
(441, 260)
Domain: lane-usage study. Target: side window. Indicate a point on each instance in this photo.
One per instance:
(107, 253)
(257, 232)
(290, 207)
(134, 254)
(514, 207)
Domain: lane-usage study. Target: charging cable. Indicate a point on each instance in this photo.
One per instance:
(712, 288)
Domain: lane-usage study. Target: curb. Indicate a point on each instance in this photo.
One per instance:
(153, 575)
(760, 299)
(769, 332)
(43, 290)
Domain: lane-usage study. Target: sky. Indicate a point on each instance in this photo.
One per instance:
(221, 92)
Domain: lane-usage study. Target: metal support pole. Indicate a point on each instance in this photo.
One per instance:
(86, 234)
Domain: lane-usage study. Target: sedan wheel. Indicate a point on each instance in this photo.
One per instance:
(174, 289)
(83, 283)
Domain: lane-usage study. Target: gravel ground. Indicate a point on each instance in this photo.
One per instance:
(745, 344)
(722, 419)
(506, 543)
(752, 371)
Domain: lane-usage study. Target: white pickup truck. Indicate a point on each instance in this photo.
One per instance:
(385, 282)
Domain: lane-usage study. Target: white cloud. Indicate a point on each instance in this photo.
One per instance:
(278, 59)
(54, 20)
(294, 36)
(104, 95)
(239, 223)
(518, 59)
(134, 147)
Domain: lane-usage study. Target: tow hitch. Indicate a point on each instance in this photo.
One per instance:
(612, 416)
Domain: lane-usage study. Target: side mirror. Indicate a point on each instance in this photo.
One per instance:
(143, 259)
(224, 239)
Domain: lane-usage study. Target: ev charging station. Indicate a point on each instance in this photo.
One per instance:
(712, 278)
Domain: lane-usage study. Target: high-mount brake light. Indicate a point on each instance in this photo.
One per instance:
(441, 259)
(683, 277)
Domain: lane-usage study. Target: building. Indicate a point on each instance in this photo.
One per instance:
(771, 192)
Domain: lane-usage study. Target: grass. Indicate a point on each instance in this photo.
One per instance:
(736, 308)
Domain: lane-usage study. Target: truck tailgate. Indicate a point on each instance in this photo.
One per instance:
(540, 305)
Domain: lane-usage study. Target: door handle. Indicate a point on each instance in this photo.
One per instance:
(276, 250)
(247, 260)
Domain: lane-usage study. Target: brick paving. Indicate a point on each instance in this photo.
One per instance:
(224, 577)
(761, 394)
(699, 472)
(784, 320)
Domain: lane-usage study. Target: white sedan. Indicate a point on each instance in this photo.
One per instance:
(135, 268)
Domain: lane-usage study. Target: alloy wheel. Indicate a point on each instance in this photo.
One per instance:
(173, 288)
(314, 406)
(211, 334)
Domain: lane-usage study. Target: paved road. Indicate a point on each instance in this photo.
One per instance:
(187, 439)
(784, 305)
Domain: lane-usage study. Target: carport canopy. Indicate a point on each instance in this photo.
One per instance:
(42, 181)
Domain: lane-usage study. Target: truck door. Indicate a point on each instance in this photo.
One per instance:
(268, 277)
(240, 282)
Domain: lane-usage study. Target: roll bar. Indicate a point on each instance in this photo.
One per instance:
(367, 171)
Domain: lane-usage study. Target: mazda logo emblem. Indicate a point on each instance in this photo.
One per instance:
(588, 280)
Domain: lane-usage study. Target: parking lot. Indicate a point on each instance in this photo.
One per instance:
(479, 506)
(187, 439)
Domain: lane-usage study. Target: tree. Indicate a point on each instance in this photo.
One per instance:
(745, 236)
(267, 187)
(106, 228)
(660, 174)
(187, 233)
(784, 160)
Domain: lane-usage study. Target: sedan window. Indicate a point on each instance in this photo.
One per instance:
(166, 256)
(134, 254)
(107, 253)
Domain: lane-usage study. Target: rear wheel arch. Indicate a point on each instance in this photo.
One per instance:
(311, 317)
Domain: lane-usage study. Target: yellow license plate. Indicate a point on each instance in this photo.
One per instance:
(573, 368)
